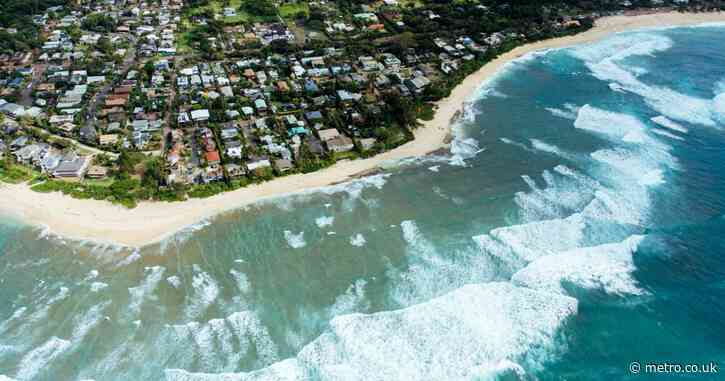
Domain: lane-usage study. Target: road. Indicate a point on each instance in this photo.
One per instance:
(78, 144)
(26, 95)
(100, 96)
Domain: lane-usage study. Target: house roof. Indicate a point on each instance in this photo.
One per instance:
(71, 167)
(328, 134)
(212, 156)
(200, 114)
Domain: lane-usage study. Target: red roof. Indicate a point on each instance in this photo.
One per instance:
(212, 156)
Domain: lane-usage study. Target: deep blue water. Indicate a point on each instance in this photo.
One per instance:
(577, 227)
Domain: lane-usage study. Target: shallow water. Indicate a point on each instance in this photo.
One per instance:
(576, 227)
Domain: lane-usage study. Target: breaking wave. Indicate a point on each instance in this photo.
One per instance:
(605, 61)
(324, 221)
(478, 337)
(295, 241)
(606, 267)
(358, 240)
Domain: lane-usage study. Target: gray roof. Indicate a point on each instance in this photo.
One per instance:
(73, 167)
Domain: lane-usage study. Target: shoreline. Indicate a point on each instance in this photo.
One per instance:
(152, 222)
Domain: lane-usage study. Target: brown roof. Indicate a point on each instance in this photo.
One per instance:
(97, 171)
(123, 90)
(108, 139)
(112, 110)
(110, 102)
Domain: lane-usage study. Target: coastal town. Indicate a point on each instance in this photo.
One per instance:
(124, 100)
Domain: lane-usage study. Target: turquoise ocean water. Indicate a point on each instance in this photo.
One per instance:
(577, 226)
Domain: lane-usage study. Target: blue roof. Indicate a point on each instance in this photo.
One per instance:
(311, 86)
(297, 131)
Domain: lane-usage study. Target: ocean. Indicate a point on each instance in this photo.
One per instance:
(576, 228)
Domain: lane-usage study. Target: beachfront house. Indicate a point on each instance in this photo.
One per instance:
(71, 167)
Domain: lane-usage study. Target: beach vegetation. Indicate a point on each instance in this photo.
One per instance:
(15, 173)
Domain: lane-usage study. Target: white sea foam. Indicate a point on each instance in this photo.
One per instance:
(489, 92)
(625, 207)
(241, 299)
(324, 221)
(666, 134)
(429, 274)
(434, 168)
(680, 106)
(205, 292)
(604, 60)
(358, 240)
(631, 165)
(295, 241)
(456, 200)
(355, 187)
(514, 143)
(616, 125)
(44, 232)
(719, 104)
(604, 55)
(617, 87)
(643, 165)
(521, 244)
(145, 289)
(606, 268)
(463, 149)
(569, 111)
(353, 300)
(14, 318)
(566, 191)
(241, 280)
(106, 251)
(502, 370)
(219, 344)
(98, 286)
(93, 274)
(88, 321)
(666, 123)
(451, 337)
(133, 257)
(174, 281)
(37, 359)
(20, 324)
(180, 237)
(287, 370)
(719, 87)
(542, 146)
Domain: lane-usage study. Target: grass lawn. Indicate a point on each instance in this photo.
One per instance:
(349, 155)
(99, 182)
(17, 174)
(290, 11)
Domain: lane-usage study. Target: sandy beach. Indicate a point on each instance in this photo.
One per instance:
(151, 222)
